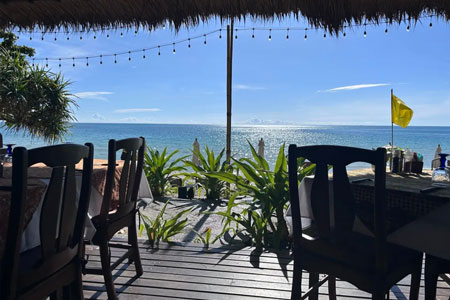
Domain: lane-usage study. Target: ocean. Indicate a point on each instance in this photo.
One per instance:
(175, 136)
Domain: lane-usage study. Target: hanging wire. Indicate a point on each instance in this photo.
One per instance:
(101, 59)
(73, 62)
(253, 33)
(115, 58)
(204, 42)
(87, 61)
(129, 55)
(306, 33)
(287, 33)
(220, 33)
(189, 43)
(365, 30)
(236, 34)
(59, 64)
(159, 50)
(173, 50)
(270, 34)
(143, 53)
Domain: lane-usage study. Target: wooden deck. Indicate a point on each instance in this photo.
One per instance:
(190, 272)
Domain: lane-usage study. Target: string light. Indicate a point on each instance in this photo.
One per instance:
(121, 34)
(95, 36)
(386, 30)
(135, 32)
(32, 63)
(107, 36)
(68, 38)
(42, 37)
(81, 37)
(408, 28)
(188, 40)
(31, 38)
(55, 37)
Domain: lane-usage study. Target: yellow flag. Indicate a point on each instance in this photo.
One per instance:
(401, 114)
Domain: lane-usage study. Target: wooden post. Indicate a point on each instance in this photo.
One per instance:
(392, 135)
(229, 87)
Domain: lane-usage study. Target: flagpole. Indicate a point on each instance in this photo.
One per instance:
(392, 130)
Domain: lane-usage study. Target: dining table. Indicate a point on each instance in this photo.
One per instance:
(38, 179)
(417, 217)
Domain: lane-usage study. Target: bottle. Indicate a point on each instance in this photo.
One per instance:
(441, 175)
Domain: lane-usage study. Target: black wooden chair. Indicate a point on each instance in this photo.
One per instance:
(332, 247)
(434, 266)
(109, 222)
(55, 267)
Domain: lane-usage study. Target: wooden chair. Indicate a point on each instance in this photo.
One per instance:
(55, 267)
(434, 266)
(333, 247)
(109, 222)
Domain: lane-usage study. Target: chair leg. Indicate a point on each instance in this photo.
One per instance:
(132, 238)
(313, 280)
(296, 291)
(431, 277)
(331, 287)
(106, 270)
(415, 283)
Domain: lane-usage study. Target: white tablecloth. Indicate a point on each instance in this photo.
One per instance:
(429, 234)
(31, 235)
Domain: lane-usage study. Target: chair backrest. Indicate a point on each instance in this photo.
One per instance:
(342, 204)
(132, 156)
(62, 216)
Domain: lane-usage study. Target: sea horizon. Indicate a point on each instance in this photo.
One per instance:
(421, 139)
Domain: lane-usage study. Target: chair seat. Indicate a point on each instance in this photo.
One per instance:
(356, 251)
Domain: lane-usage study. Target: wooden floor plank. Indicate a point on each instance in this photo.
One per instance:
(191, 272)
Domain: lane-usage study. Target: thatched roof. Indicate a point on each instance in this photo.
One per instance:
(97, 14)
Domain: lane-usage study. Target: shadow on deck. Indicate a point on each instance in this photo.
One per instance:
(222, 272)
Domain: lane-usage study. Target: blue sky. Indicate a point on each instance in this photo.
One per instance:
(282, 81)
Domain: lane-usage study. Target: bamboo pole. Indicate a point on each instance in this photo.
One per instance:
(229, 87)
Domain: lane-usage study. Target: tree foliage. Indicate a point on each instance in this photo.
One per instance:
(32, 98)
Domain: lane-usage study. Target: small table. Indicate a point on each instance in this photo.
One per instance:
(38, 178)
(416, 220)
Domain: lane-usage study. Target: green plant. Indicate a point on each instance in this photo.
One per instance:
(263, 218)
(31, 97)
(159, 170)
(161, 229)
(205, 237)
(214, 187)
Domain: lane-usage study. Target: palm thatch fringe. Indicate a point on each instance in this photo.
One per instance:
(332, 15)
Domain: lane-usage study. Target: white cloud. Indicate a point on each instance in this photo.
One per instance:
(98, 117)
(248, 87)
(355, 87)
(93, 95)
(136, 110)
